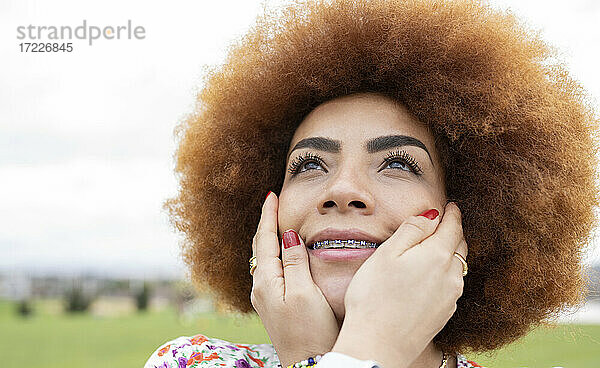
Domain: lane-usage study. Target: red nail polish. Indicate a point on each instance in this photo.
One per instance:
(267, 195)
(290, 239)
(430, 214)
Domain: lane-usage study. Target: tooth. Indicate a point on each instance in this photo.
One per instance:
(340, 243)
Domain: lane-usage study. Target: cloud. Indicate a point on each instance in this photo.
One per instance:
(86, 138)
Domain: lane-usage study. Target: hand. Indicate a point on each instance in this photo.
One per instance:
(405, 293)
(292, 307)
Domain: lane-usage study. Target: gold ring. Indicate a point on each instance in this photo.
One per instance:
(252, 264)
(464, 263)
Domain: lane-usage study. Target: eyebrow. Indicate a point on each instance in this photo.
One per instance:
(373, 145)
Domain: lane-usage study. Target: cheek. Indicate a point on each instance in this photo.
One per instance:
(411, 200)
(291, 211)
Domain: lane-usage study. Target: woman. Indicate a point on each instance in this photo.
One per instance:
(362, 115)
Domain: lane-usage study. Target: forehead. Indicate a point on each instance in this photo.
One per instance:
(358, 117)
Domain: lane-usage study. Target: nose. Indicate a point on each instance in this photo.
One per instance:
(347, 191)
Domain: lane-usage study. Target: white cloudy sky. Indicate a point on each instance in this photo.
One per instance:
(86, 138)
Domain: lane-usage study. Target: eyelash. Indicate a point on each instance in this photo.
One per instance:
(397, 155)
(301, 159)
(405, 158)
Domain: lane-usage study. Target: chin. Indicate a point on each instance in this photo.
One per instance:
(333, 279)
(334, 289)
(336, 301)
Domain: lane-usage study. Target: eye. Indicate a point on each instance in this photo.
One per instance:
(404, 159)
(303, 161)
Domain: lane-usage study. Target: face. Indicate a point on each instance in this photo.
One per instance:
(372, 166)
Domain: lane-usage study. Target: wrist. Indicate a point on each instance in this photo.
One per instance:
(290, 359)
(304, 363)
(367, 344)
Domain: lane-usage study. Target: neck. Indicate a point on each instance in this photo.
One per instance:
(431, 357)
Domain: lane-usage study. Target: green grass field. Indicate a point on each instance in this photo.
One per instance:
(50, 341)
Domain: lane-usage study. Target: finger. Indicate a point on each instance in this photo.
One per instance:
(456, 265)
(296, 269)
(266, 241)
(462, 249)
(411, 232)
(449, 232)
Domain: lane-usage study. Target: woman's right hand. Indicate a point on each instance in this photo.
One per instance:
(293, 309)
(405, 292)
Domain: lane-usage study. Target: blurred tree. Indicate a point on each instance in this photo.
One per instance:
(76, 301)
(593, 283)
(24, 308)
(142, 298)
(185, 293)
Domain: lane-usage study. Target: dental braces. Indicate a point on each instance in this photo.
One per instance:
(338, 243)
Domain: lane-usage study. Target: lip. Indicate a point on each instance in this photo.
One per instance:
(342, 255)
(341, 234)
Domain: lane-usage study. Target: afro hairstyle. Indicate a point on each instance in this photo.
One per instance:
(517, 135)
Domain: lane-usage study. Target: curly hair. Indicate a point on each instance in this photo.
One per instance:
(516, 133)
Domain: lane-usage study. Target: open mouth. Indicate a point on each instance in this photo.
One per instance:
(343, 244)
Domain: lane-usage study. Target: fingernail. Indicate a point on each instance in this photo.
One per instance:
(430, 214)
(290, 239)
(267, 195)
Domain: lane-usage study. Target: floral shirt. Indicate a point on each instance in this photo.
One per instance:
(201, 351)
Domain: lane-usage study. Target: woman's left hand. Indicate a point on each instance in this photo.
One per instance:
(293, 309)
